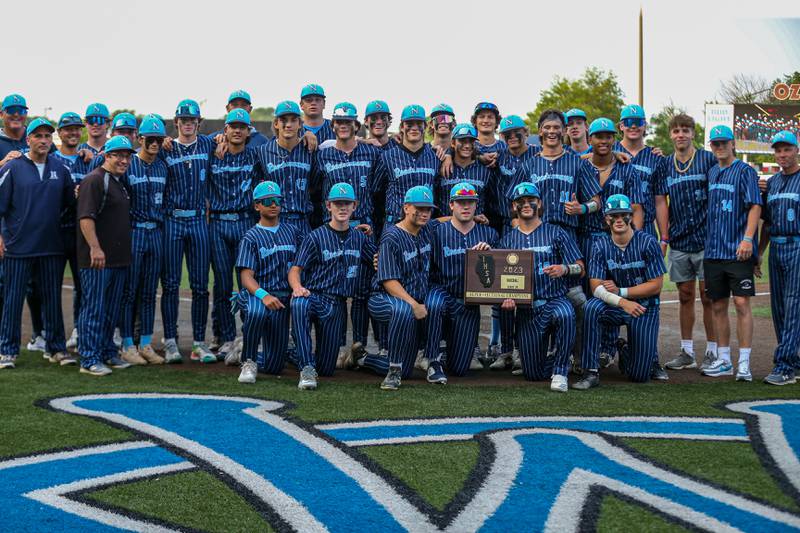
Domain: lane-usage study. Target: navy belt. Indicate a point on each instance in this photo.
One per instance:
(184, 213)
(784, 239)
(233, 216)
(293, 216)
(145, 225)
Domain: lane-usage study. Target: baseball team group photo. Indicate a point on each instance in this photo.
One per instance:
(255, 306)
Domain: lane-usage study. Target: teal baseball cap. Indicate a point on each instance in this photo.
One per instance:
(118, 143)
(39, 123)
(720, 133)
(420, 196)
(239, 94)
(14, 100)
(512, 122)
(575, 113)
(123, 121)
(97, 110)
(312, 89)
(342, 191)
(70, 119)
(442, 109)
(785, 136)
(412, 112)
(618, 203)
(152, 126)
(465, 131)
(377, 106)
(632, 111)
(344, 111)
(602, 125)
(463, 191)
(266, 189)
(287, 107)
(526, 188)
(187, 109)
(238, 116)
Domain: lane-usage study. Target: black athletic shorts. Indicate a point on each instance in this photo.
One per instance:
(724, 277)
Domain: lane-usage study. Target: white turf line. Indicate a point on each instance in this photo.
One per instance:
(70, 287)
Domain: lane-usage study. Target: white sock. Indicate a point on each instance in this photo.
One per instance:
(688, 346)
(711, 347)
(744, 355)
(724, 353)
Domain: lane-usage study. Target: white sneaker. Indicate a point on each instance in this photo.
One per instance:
(502, 361)
(72, 342)
(558, 383)
(422, 361)
(234, 356)
(37, 344)
(223, 351)
(475, 363)
(308, 378)
(719, 367)
(7, 361)
(515, 359)
(743, 372)
(248, 373)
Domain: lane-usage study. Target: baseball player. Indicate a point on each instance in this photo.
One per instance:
(440, 125)
(312, 102)
(633, 124)
(555, 255)
(448, 316)
(577, 131)
(186, 231)
(123, 124)
(97, 120)
(104, 254)
(146, 179)
(326, 272)
(466, 169)
(377, 119)
(783, 231)
(486, 118)
(734, 210)
(240, 99)
(265, 255)
(683, 177)
(285, 161)
(401, 283)
(34, 189)
(626, 272)
(12, 135)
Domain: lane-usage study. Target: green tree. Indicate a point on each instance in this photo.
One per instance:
(659, 129)
(263, 114)
(597, 92)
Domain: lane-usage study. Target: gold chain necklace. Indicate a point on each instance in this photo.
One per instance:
(688, 165)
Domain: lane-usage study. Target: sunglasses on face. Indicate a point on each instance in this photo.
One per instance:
(633, 122)
(150, 140)
(16, 110)
(96, 121)
(269, 202)
(443, 119)
(717, 144)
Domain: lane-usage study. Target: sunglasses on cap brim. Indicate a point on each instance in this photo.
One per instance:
(486, 106)
(269, 202)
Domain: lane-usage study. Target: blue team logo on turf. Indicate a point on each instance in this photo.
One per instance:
(546, 473)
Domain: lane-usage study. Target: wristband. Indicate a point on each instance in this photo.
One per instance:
(623, 292)
(260, 293)
(592, 206)
(665, 241)
(748, 239)
(584, 209)
(574, 269)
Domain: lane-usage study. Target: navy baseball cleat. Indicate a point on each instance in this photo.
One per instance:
(436, 373)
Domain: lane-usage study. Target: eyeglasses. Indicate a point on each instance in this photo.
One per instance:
(633, 122)
(16, 110)
(96, 120)
(150, 140)
(269, 202)
(119, 154)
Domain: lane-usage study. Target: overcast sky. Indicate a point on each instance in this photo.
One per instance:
(148, 55)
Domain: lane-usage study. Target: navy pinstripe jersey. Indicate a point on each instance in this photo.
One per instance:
(558, 180)
(292, 171)
(187, 170)
(230, 188)
(77, 170)
(87, 146)
(324, 133)
(783, 204)
(332, 264)
(688, 199)
(551, 245)
(506, 168)
(405, 258)
(146, 183)
(731, 193)
(572, 150)
(476, 174)
(624, 179)
(254, 140)
(356, 168)
(497, 146)
(269, 254)
(641, 260)
(449, 253)
(646, 162)
(399, 170)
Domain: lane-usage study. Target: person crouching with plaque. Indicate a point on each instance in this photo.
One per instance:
(555, 256)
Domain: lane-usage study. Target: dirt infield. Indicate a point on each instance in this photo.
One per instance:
(668, 344)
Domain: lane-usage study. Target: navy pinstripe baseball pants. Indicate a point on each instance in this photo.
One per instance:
(403, 329)
(102, 294)
(642, 336)
(784, 285)
(328, 315)
(535, 326)
(48, 272)
(147, 247)
(187, 236)
(462, 325)
(270, 327)
(225, 237)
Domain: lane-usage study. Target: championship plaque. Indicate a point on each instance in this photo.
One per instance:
(492, 276)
